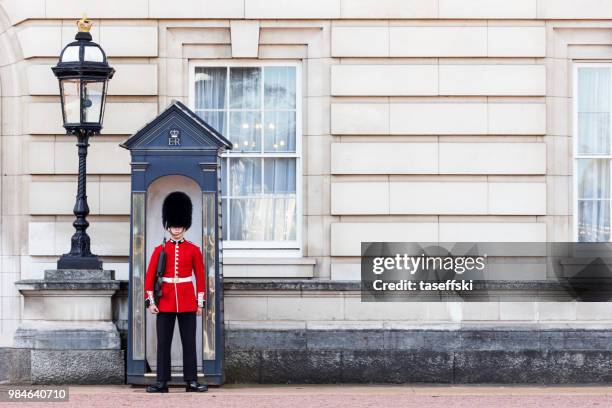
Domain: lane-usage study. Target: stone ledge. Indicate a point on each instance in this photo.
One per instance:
(348, 285)
(548, 290)
(79, 274)
(290, 285)
(26, 285)
(484, 338)
(417, 325)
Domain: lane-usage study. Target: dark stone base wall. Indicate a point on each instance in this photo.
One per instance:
(419, 356)
(359, 356)
(35, 366)
(78, 367)
(15, 366)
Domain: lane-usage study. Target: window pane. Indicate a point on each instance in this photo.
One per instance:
(245, 131)
(263, 219)
(593, 178)
(245, 176)
(279, 176)
(245, 88)
(593, 89)
(279, 88)
(593, 133)
(216, 119)
(594, 221)
(279, 131)
(210, 88)
(593, 110)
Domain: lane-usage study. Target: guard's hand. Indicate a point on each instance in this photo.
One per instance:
(153, 309)
(199, 311)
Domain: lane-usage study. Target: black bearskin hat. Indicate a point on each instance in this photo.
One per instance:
(176, 210)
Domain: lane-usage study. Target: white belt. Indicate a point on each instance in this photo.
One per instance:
(176, 280)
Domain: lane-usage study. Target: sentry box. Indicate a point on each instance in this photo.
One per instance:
(175, 151)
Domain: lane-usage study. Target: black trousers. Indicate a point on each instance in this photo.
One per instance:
(165, 330)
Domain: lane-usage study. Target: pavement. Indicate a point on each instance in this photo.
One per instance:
(328, 396)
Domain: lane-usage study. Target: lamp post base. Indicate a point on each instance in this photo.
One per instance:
(68, 261)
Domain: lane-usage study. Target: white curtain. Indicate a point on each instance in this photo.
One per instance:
(245, 176)
(263, 219)
(210, 91)
(279, 131)
(245, 87)
(268, 215)
(593, 139)
(279, 176)
(279, 87)
(279, 105)
(245, 131)
(594, 111)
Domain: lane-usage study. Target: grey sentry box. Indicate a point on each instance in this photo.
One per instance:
(175, 151)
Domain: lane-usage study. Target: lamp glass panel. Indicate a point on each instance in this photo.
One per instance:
(93, 54)
(93, 98)
(71, 100)
(71, 54)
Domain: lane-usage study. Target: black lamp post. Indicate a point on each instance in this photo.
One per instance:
(83, 73)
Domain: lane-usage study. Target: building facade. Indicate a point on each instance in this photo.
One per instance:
(352, 120)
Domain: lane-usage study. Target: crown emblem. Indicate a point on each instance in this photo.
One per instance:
(84, 24)
(174, 139)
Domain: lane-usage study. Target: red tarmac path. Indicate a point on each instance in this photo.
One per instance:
(324, 396)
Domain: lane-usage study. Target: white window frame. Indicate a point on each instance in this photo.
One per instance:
(575, 155)
(263, 248)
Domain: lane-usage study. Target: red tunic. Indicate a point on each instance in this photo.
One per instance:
(181, 260)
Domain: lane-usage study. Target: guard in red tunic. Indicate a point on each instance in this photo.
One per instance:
(178, 299)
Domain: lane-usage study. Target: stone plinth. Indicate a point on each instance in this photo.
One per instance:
(67, 327)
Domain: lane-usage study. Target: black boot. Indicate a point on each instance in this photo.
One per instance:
(194, 386)
(160, 386)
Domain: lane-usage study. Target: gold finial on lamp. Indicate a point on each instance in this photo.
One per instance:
(84, 24)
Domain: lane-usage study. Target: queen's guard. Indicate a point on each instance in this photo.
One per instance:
(169, 292)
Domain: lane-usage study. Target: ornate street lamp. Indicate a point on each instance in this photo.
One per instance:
(83, 73)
